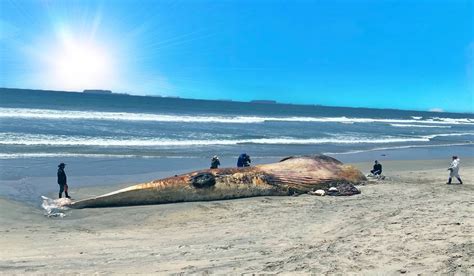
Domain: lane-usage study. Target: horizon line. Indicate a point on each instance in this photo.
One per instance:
(255, 101)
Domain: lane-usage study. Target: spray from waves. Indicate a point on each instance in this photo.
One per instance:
(55, 207)
(57, 140)
(50, 114)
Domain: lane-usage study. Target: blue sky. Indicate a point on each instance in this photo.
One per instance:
(386, 54)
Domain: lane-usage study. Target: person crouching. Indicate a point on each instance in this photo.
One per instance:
(215, 163)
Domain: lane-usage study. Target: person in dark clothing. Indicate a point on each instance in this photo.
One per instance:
(62, 181)
(377, 168)
(243, 161)
(215, 163)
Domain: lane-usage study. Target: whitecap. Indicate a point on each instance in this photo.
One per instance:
(50, 114)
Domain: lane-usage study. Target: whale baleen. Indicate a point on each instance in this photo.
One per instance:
(292, 175)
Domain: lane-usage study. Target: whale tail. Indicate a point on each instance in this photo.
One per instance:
(55, 207)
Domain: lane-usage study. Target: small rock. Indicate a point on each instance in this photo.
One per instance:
(403, 271)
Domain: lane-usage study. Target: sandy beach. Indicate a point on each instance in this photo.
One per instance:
(412, 223)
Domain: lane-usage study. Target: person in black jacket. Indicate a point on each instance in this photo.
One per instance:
(377, 168)
(243, 161)
(62, 181)
(215, 163)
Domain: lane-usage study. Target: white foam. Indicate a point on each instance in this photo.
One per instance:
(56, 140)
(449, 135)
(50, 114)
(425, 126)
(65, 154)
(395, 148)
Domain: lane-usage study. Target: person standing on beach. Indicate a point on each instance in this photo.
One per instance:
(454, 170)
(215, 163)
(62, 181)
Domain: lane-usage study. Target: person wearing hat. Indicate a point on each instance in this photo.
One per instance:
(454, 170)
(62, 181)
(215, 163)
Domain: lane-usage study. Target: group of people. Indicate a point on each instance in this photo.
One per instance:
(453, 170)
(244, 161)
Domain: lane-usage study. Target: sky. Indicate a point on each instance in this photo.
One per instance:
(384, 54)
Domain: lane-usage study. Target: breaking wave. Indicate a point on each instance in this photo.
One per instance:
(395, 148)
(50, 114)
(428, 126)
(58, 140)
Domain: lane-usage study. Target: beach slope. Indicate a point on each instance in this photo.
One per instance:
(409, 223)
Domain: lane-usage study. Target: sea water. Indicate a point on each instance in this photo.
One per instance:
(53, 124)
(112, 141)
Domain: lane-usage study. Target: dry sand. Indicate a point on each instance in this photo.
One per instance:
(410, 223)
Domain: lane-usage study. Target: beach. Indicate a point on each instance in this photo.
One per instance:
(411, 222)
(236, 137)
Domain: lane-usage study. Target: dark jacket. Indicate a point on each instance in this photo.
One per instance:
(243, 161)
(62, 179)
(215, 163)
(377, 169)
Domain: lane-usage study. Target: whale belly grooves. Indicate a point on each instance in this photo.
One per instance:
(298, 174)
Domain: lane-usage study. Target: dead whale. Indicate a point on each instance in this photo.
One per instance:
(292, 175)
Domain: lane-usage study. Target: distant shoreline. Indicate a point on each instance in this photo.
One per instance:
(255, 101)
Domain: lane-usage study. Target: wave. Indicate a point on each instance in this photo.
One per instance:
(427, 126)
(395, 148)
(50, 114)
(56, 140)
(66, 154)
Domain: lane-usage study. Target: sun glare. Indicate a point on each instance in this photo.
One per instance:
(80, 66)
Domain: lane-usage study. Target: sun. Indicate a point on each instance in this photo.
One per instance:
(80, 65)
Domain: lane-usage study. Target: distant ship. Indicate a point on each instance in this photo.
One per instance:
(97, 91)
(264, 101)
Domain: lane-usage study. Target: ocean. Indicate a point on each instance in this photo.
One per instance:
(112, 141)
(54, 124)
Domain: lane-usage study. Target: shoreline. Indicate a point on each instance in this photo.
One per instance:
(411, 222)
(27, 179)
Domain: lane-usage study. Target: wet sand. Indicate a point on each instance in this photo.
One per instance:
(412, 223)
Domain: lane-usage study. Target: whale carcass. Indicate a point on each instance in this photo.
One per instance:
(292, 175)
